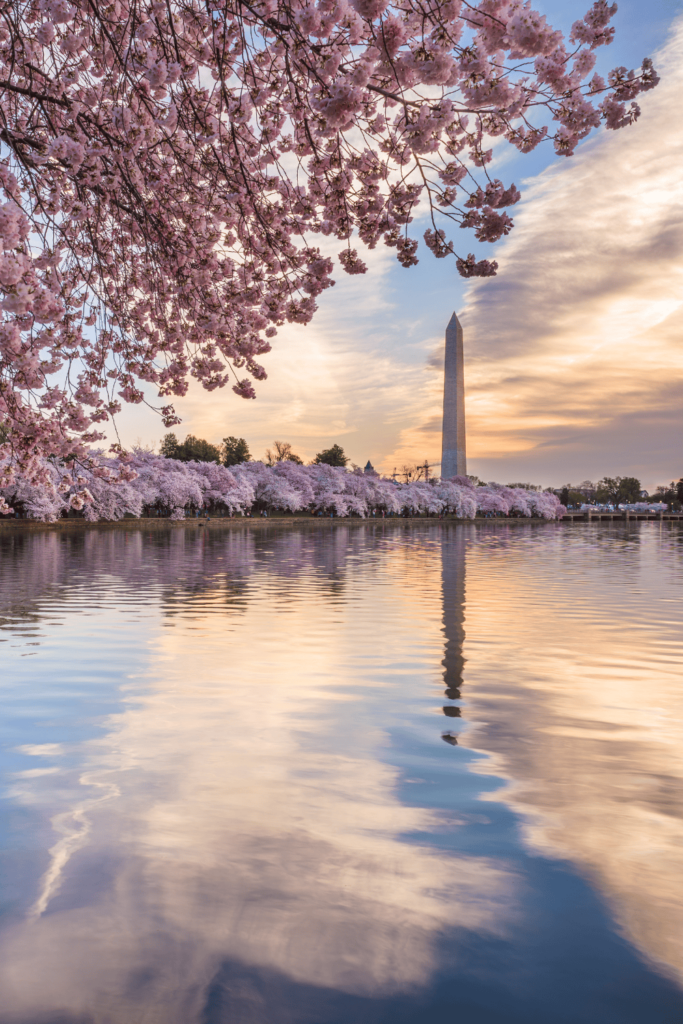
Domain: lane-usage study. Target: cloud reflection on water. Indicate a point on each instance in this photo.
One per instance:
(573, 689)
(236, 809)
(239, 813)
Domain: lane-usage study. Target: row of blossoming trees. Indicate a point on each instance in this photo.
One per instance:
(157, 485)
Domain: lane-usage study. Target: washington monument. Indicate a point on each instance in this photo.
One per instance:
(453, 457)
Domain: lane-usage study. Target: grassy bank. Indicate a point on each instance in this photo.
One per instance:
(158, 523)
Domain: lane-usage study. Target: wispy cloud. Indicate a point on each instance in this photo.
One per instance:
(574, 355)
(241, 811)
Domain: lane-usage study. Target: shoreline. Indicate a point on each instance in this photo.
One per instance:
(66, 525)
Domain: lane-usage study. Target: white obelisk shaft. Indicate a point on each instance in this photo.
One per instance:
(453, 457)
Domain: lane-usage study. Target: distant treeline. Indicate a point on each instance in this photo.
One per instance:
(619, 490)
(233, 451)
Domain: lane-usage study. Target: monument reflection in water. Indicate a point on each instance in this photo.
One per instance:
(229, 799)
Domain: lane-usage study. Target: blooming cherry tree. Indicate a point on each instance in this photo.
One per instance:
(490, 501)
(285, 485)
(457, 496)
(170, 169)
(545, 504)
(40, 501)
(174, 488)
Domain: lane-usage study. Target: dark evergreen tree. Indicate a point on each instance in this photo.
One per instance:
(235, 450)
(192, 449)
(672, 495)
(333, 456)
(169, 447)
(196, 449)
(619, 489)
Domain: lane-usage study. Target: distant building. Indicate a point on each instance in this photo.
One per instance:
(370, 469)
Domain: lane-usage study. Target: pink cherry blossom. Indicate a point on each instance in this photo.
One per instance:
(171, 171)
(141, 483)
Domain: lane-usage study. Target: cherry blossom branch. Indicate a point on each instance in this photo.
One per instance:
(172, 165)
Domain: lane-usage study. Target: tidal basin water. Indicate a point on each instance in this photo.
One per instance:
(342, 775)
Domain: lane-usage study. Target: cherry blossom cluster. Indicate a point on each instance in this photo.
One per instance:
(170, 168)
(496, 499)
(156, 485)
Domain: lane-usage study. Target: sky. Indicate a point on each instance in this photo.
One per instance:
(573, 363)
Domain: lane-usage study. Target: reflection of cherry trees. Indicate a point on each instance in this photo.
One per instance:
(38, 570)
(171, 488)
(188, 569)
